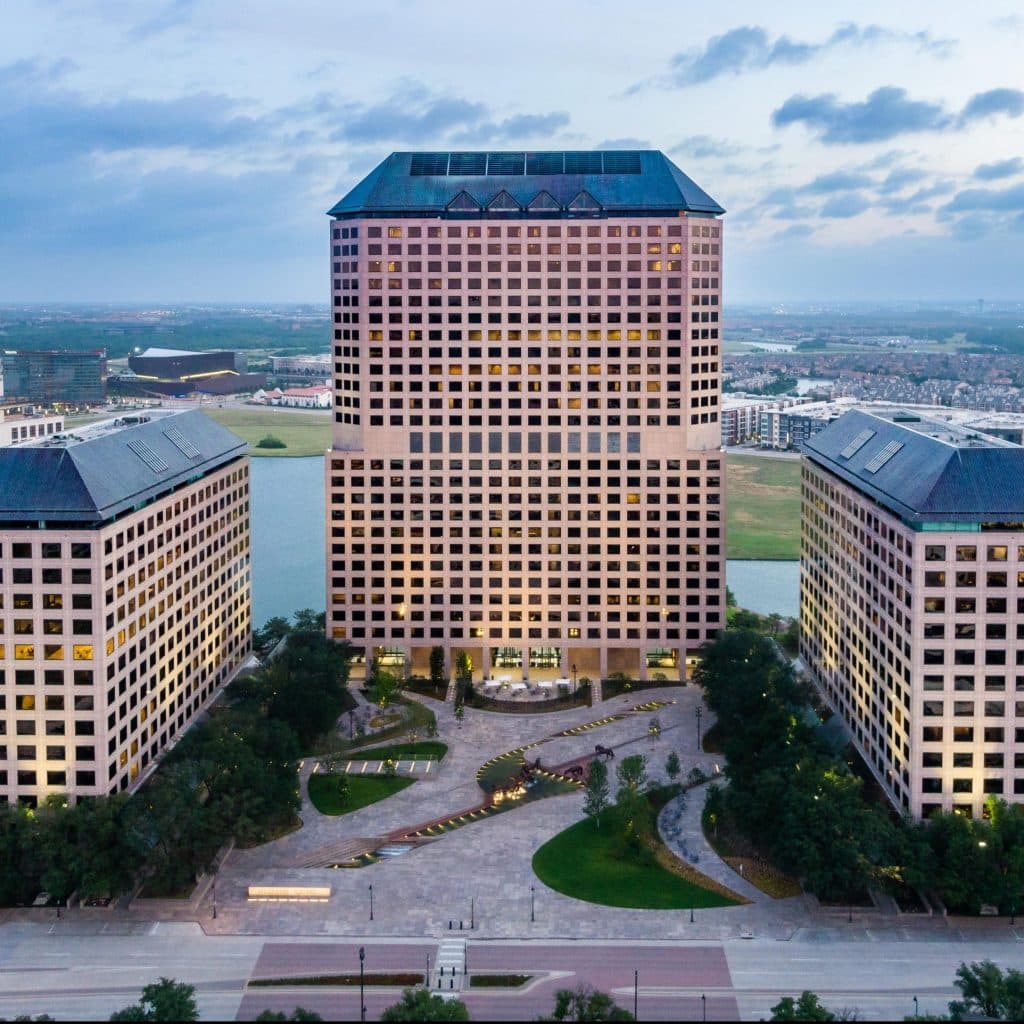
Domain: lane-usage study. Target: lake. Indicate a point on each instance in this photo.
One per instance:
(288, 558)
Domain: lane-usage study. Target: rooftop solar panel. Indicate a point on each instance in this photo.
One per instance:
(545, 163)
(505, 163)
(621, 163)
(182, 443)
(856, 444)
(428, 163)
(882, 457)
(148, 456)
(583, 163)
(467, 163)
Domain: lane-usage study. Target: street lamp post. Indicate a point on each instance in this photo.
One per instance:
(574, 683)
(371, 902)
(362, 998)
(533, 916)
(916, 1014)
(472, 913)
(352, 725)
(636, 988)
(700, 714)
(214, 889)
(703, 1006)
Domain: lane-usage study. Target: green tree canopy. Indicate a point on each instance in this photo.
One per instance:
(807, 1007)
(583, 1003)
(596, 800)
(164, 1000)
(421, 1004)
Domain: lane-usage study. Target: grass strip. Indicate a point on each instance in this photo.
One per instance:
(363, 790)
(396, 979)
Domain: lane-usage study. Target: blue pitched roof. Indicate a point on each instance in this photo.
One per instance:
(939, 473)
(622, 182)
(101, 476)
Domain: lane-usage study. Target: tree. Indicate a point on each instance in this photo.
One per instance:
(597, 794)
(385, 689)
(421, 1004)
(463, 676)
(164, 1000)
(672, 766)
(437, 679)
(632, 775)
(272, 632)
(584, 1003)
(988, 992)
(807, 1007)
(309, 621)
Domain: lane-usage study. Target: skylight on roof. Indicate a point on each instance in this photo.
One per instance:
(182, 443)
(882, 457)
(856, 444)
(483, 164)
(148, 456)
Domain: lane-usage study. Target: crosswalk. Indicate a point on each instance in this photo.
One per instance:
(449, 968)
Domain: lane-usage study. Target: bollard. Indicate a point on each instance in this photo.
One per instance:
(460, 926)
(449, 925)
(438, 982)
(451, 983)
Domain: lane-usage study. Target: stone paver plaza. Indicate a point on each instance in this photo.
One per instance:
(471, 898)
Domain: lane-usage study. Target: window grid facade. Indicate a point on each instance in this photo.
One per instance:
(914, 638)
(526, 438)
(113, 638)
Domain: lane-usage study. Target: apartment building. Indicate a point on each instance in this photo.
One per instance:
(124, 596)
(525, 461)
(911, 603)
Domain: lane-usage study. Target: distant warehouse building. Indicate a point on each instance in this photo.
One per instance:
(911, 603)
(124, 597)
(176, 372)
(56, 378)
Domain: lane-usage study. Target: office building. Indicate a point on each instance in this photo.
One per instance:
(124, 596)
(161, 372)
(525, 460)
(56, 378)
(911, 603)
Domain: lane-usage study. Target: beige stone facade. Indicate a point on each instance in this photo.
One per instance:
(116, 633)
(912, 630)
(525, 460)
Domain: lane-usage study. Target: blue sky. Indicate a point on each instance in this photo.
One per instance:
(186, 150)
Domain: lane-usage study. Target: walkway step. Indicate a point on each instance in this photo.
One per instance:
(338, 853)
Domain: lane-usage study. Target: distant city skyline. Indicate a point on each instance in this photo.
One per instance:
(164, 151)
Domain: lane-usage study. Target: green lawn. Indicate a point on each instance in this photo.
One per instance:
(363, 790)
(762, 507)
(304, 433)
(402, 751)
(579, 863)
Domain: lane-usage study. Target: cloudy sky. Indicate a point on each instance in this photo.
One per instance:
(176, 150)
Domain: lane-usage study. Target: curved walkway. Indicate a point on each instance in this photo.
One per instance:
(680, 826)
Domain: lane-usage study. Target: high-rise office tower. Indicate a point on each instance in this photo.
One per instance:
(525, 461)
(124, 596)
(911, 597)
